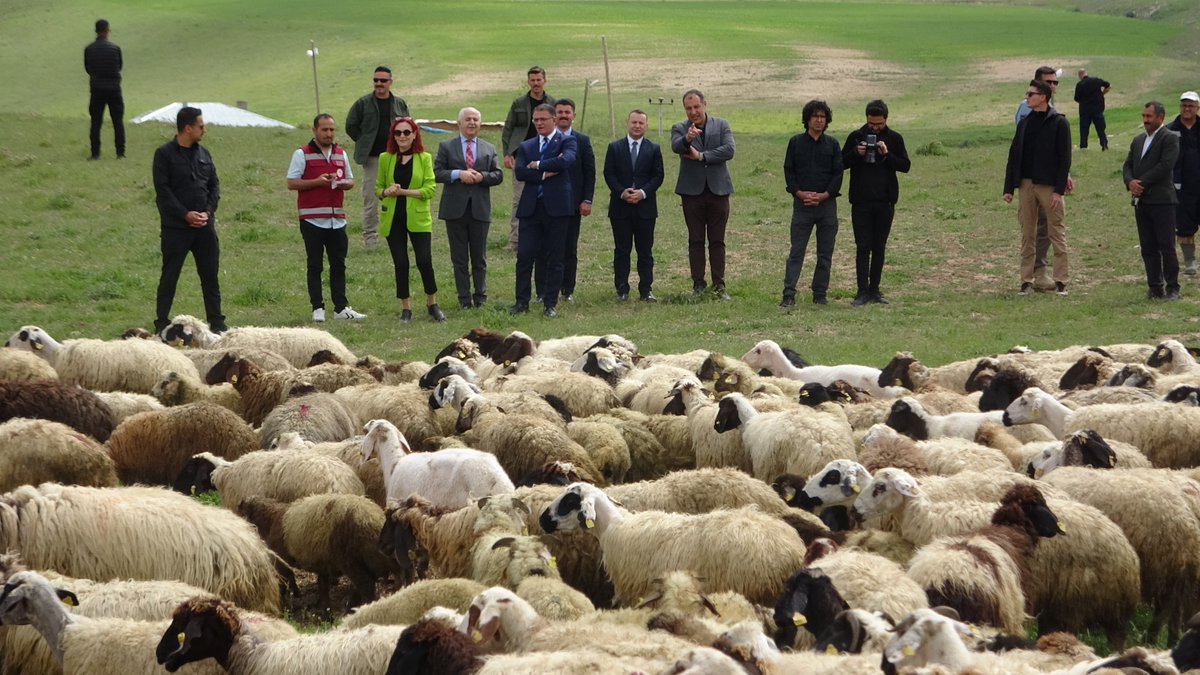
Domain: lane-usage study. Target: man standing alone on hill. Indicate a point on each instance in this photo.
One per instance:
(518, 128)
(1039, 164)
(320, 175)
(187, 191)
(1187, 178)
(1089, 94)
(102, 61)
(1148, 171)
(367, 124)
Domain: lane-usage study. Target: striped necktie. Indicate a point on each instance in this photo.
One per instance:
(470, 153)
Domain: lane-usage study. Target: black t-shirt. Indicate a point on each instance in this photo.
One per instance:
(403, 177)
(384, 107)
(533, 103)
(1033, 126)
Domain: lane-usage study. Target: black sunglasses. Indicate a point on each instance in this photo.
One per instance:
(403, 132)
(381, 80)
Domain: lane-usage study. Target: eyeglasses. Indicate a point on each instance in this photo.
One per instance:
(403, 132)
(382, 80)
(1052, 83)
(543, 119)
(1032, 93)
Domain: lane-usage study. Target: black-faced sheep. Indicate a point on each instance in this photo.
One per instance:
(33, 452)
(910, 418)
(285, 476)
(57, 401)
(329, 534)
(213, 629)
(153, 447)
(431, 647)
(120, 365)
(800, 440)
(712, 449)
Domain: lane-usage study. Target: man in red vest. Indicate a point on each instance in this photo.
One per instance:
(320, 175)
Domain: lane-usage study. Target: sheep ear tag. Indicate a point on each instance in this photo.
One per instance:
(789, 493)
(897, 383)
(475, 635)
(831, 650)
(233, 379)
(711, 396)
(799, 619)
(589, 523)
(67, 597)
(849, 487)
(180, 637)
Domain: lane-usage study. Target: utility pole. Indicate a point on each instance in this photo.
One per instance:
(312, 54)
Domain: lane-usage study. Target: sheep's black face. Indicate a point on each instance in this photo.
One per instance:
(708, 370)
(1092, 449)
(814, 394)
(1186, 652)
(727, 416)
(196, 477)
(837, 518)
(981, 375)
(1044, 521)
(675, 405)
(567, 504)
(845, 635)
(1082, 374)
(177, 333)
(1003, 389)
(192, 638)
(1182, 393)
(896, 373)
(434, 375)
(810, 600)
(1161, 357)
(903, 419)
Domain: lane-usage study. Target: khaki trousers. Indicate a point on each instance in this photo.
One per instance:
(1030, 197)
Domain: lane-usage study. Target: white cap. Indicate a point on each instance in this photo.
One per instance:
(1190, 96)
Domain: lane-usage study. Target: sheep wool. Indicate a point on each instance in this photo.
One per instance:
(297, 345)
(285, 476)
(139, 533)
(407, 605)
(22, 366)
(175, 389)
(153, 447)
(39, 451)
(57, 401)
(319, 417)
(125, 405)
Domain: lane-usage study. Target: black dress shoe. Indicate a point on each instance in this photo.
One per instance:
(878, 298)
(550, 313)
(860, 300)
(436, 313)
(622, 297)
(720, 293)
(406, 316)
(1155, 294)
(569, 297)
(648, 296)
(1173, 294)
(788, 302)
(518, 309)
(465, 305)
(820, 300)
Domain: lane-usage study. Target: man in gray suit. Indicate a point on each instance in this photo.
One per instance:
(704, 144)
(1148, 172)
(467, 166)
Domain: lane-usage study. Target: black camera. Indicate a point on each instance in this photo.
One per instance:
(872, 142)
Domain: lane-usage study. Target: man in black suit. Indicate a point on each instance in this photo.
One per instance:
(633, 170)
(102, 61)
(583, 186)
(1148, 172)
(546, 203)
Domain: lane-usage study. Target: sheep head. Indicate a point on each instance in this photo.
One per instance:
(31, 339)
(681, 591)
(1024, 507)
(809, 600)
(27, 595)
(1027, 408)
(764, 354)
(574, 509)
(909, 418)
(1165, 355)
(1133, 375)
(813, 394)
(1005, 386)
(851, 629)
(886, 493)
(201, 628)
(496, 617)
(196, 475)
(921, 632)
(1085, 373)
(379, 434)
(169, 390)
(838, 482)
(727, 417)
(899, 371)
(430, 645)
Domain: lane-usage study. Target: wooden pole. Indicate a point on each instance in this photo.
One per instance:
(612, 120)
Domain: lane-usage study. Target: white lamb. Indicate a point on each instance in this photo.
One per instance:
(910, 418)
(450, 478)
(799, 441)
(767, 354)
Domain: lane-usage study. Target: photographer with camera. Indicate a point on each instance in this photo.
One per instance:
(874, 154)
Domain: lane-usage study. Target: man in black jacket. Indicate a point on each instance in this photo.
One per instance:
(102, 61)
(1089, 94)
(1187, 177)
(874, 153)
(187, 192)
(1039, 165)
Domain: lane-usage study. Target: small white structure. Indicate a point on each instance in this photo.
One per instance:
(219, 114)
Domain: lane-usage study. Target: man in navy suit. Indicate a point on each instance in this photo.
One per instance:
(633, 170)
(583, 186)
(543, 163)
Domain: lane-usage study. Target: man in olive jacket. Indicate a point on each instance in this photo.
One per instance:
(367, 123)
(518, 128)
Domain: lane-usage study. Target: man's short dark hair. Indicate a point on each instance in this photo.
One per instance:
(187, 116)
(565, 101)
(877, 108)
(694, 92)
(318, 118)
(535, 70)
(1159, 109)
(382, 69)
(1042, 87)
(637, 111)
(814, 106)
(101, 26)
(543, 106)
(1044, 70)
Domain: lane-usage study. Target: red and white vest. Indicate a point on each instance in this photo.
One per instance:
(322, 202)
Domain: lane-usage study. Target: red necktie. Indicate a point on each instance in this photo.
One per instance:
(470, 154)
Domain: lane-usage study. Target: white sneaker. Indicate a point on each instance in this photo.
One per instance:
(319, 314)
(348, 314)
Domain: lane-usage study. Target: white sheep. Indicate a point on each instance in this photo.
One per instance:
(285, 476)
(176, 389)
(117, 365)
(34, 451)
(21, 366)
(883, 446)
(449, 478)
(407, 605)
(910, 418)
(206, 628)
(147, 533)
(297, 345)
(319, 417)
(741, 550)
(81, 644)
(404, 405)
(799, 441)
(582, 395)
(712, 449)
(767, 354)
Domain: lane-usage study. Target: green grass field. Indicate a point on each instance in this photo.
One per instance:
(82, 257)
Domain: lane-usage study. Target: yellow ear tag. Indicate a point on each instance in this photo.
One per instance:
(553, 563)
(193, 490)
(233, 379)
(178, 342)
(68, 601)
(476, 635)
(1036, 413)
(412, 555)
(831, 650)
(1062, 528)
(589, 523)
(804, 394)
(180, 638)
(462, 355)
(507, 363)
(907, 650)
(856, 488)
(711, 397)
(799, 619)
(788, 493)
(525, 531)
(896, 382)
(37, 346)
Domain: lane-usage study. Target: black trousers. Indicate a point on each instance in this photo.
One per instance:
(540, 236)
(116, 110)
(468, 242)
(628, 234)
(804, 218)
(706, 216)
(397, 241)
(319, 242)
(205, 248)
(570, 260)
(872, 224)
(1156, 234)
(1187, 212)
(1089, 118)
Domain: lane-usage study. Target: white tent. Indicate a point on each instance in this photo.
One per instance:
(214, 113)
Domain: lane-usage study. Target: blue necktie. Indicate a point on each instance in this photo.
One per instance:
(542, 156)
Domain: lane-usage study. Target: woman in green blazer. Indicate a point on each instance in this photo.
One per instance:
(405, 187)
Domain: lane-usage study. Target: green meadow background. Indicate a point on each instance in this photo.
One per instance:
(80, 252)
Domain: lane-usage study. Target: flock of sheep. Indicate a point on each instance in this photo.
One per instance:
(575, 506)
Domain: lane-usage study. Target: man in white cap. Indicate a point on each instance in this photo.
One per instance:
(1187, 178)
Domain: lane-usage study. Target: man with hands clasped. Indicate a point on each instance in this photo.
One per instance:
(812, 171)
